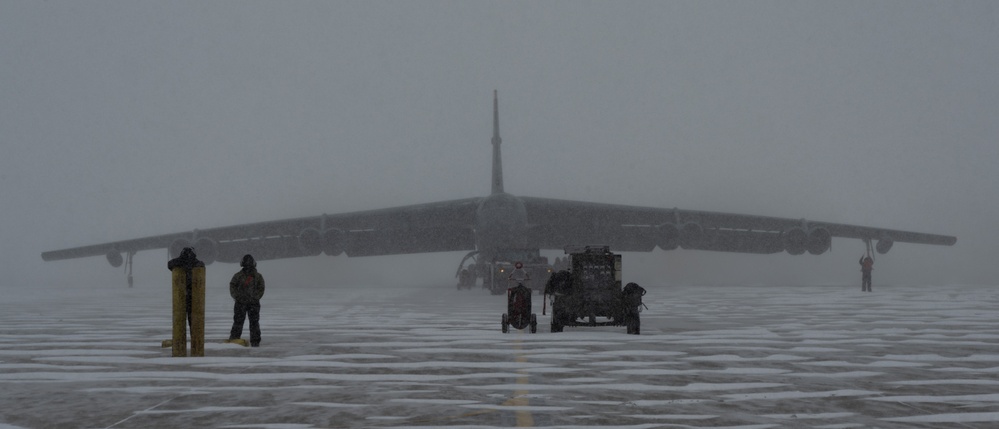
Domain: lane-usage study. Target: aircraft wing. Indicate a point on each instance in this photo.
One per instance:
(433, 227)
(555, 223)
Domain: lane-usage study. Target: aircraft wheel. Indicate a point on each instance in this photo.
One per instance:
(506, 323)
(465, 279)
(556, 321)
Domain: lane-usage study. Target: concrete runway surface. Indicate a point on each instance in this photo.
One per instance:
(431, 356)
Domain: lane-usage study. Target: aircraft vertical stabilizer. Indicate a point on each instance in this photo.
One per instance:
(497, 163)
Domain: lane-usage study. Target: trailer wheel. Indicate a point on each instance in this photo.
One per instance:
(556, 321)
(506, 323)
(633, 323)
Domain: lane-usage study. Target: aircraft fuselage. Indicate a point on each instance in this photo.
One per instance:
(501, 223)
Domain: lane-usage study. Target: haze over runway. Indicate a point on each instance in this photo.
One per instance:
(129, 120)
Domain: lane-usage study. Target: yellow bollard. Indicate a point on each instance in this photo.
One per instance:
(179, 342)
(198, 312)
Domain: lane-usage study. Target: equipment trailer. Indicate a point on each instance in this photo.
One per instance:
(591, 290)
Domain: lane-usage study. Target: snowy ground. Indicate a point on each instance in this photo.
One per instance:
(736, 357)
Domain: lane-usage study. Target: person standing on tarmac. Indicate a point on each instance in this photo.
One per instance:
(187, 260)
(246, 289)
(866, 265)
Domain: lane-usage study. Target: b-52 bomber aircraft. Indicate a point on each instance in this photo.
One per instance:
(502, 228)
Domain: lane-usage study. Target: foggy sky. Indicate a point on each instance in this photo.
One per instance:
(121, 120)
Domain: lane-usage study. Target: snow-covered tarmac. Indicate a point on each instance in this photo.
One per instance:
(420, 356)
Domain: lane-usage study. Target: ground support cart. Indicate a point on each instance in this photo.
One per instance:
(590, 294)
(518, 310)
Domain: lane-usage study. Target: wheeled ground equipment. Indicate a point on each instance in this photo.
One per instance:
(590, 294)
(518, 310)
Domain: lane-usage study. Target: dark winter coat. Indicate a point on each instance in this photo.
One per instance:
(866, 265)
(247, 286)
(187, 260)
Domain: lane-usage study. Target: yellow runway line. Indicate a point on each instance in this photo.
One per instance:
(519, 399)
(524, 418)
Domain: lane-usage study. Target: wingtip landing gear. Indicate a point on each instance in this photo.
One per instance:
(128, 267)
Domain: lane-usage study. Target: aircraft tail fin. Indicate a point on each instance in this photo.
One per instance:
(497, 163)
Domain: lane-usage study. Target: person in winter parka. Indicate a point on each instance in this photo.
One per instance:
(246, 289)
(866, 265)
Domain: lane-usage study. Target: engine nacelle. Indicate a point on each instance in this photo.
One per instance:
(310, 241)
(178, 246)
(884, 244)
(206, 249)
(795, 241)
(819, 240)
(333, 242)
(691, 235)
(668, 236)
(115, 259)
